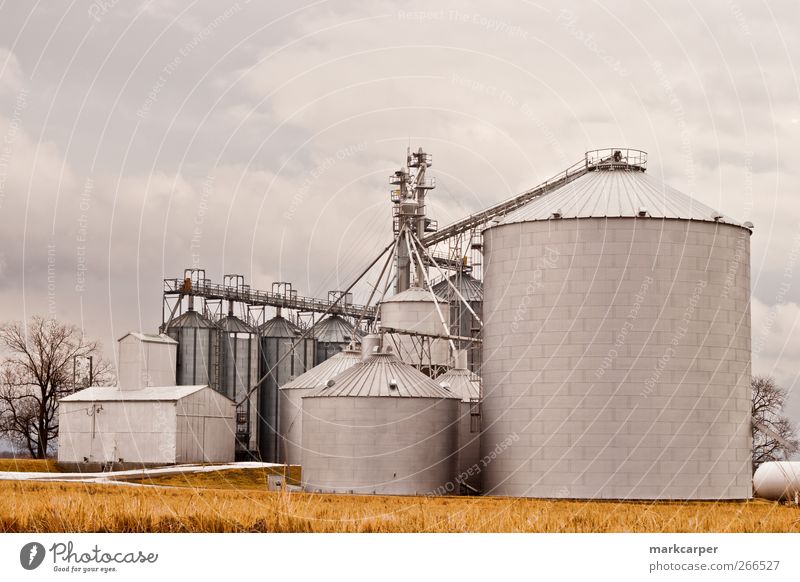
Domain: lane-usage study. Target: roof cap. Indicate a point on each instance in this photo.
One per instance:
(382, 375)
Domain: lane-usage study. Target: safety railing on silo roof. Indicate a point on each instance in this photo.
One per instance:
(617, 158)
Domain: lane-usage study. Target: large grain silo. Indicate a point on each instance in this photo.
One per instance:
(198, 349)
(616, 354)
(333, 334)
(290, 403)
(380, 427)
(415, 310)
(462, 321)
(281, 361)
(240, 373)
(466, 386)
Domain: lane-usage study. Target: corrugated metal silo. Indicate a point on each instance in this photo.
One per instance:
(290, 404)
(462, 322)
(198, 349)
(277, 338)
(333, 334)
(616, 354)
(466, 385)
(382, 427)
(415, 310)
(239, 373)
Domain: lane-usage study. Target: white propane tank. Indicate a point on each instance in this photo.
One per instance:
(778, 480)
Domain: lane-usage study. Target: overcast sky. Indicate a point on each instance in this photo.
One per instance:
(137, 139)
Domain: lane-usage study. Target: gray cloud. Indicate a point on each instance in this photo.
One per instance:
(258, 137)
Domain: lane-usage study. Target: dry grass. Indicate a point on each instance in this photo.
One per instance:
(77, 507)
(239, 479)
(28, 465)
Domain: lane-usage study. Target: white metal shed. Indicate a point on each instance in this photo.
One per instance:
(151, 426)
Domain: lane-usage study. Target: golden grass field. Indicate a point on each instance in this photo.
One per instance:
(28, 465)
(235, 501)
(240, 479)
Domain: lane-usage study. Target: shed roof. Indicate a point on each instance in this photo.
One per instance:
(151, 393)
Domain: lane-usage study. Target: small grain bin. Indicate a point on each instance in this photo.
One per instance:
(240, 364)
(198, 348)
(281, 361)
(462, 322)
(380, 427)
(290, 403)
(466, 385)
(333, 334)
(416, 310)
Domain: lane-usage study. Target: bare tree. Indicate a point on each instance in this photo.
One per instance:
(41, 367)
(774, 435)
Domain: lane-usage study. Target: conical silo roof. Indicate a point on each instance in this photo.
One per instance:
(191, 319)
(462, 383)
(470, 288)
(382, 375)
(317, 376)
(605, 193)
(334, 329)
(233, 324)
(413, 294)
(279, 326)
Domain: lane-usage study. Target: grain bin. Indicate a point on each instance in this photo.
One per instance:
(239, 363)
(380, 427)
(415, 310)
(466, 385)
(616, 354)
(280, 362)
(462, 322)
(198, 348)
(289, 401)
(333, 334)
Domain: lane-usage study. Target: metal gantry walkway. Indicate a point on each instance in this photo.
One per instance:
(284, 297)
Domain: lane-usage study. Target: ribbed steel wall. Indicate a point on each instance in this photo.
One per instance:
(384, 445)
(617, 359)
(299, 360)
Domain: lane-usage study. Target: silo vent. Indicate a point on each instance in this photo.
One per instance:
(393, 384)
(749, 225)
(445, 385)
(330, 383)
(718, 217)
(556, 214)
(642, 211)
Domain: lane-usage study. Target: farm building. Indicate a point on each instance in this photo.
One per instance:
(140, 424)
